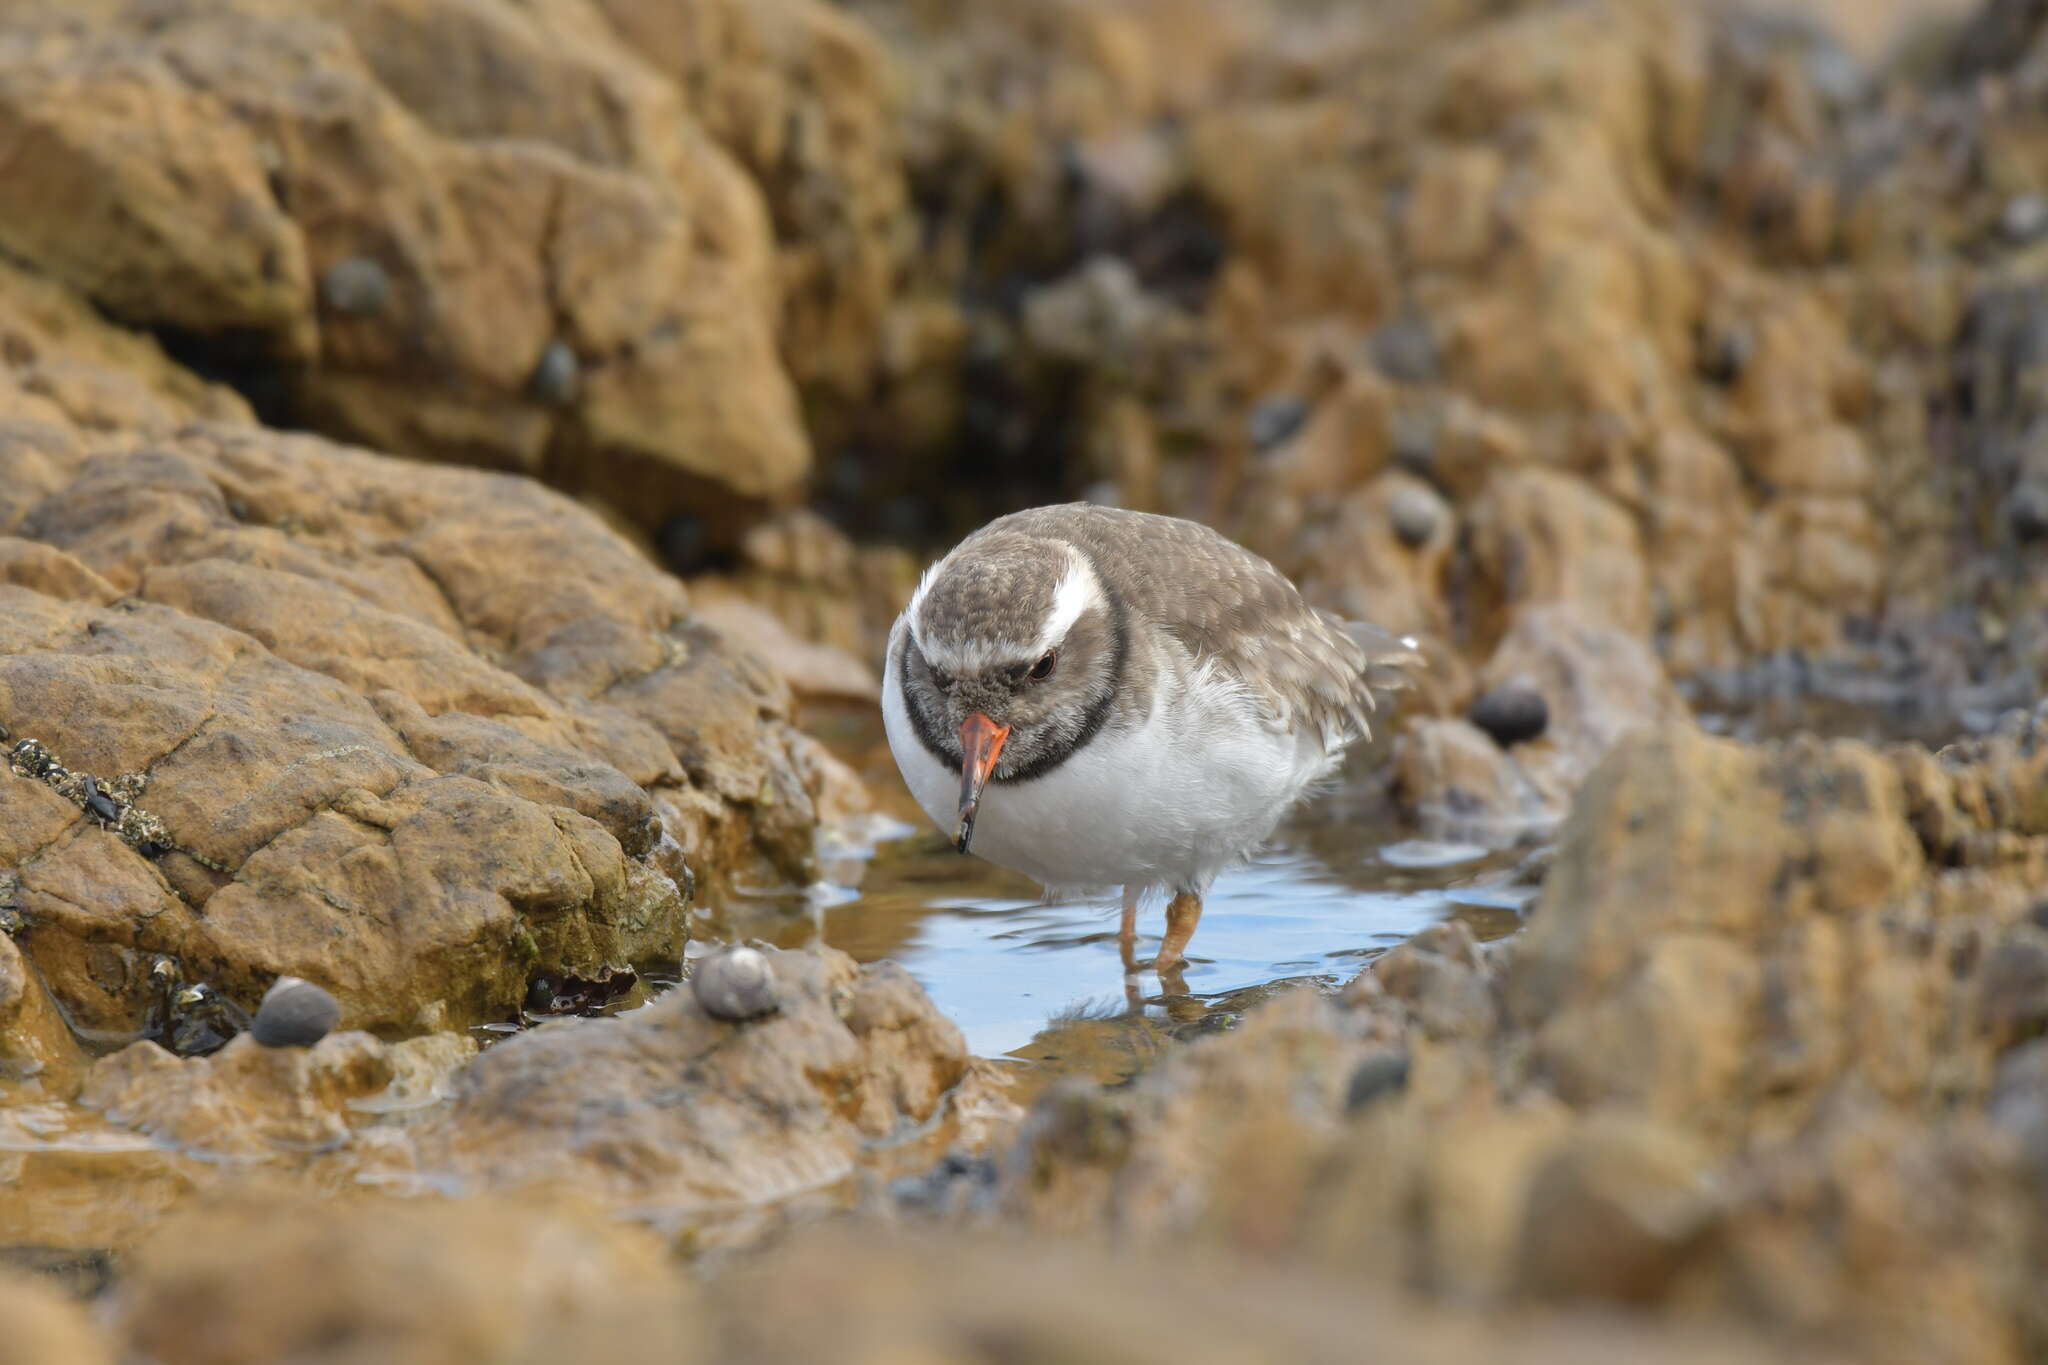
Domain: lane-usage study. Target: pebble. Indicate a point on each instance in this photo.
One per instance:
(295, 1013)
(2025, 217)
(358, 287)
(1415, 516)
(735, 985)
(1511, 713)
(2026, 511)
(1274, 420)
(555, 377)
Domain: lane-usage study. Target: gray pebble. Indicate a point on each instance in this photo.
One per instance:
(555, 377)
(2026, 511)
(358, 287)
(1511, 713)
(1415, 516)
(735, 985)
(295, 1013)
(1274, 420)
(2025, 217)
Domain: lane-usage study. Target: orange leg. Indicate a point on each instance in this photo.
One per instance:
(1127, 932)
(1183, 913)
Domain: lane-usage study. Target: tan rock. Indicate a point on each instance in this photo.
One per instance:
(485, 225)
(35, 1044)
(44, 1328)
(354, 708)
(246, 1101)
(1539, 536)
(701, 1114)
(414, 1280)
(840, 1298)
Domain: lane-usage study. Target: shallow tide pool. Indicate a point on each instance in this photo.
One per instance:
(1339, 884)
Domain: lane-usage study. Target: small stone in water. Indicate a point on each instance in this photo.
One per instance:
(1415, 516)
(735, 985)
(358, 286)
(1511, 713)
(295, 1013)
(554, 378)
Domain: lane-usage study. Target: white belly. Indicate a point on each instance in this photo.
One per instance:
(1172, 802)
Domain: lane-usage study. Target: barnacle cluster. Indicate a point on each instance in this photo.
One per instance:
(109, 804)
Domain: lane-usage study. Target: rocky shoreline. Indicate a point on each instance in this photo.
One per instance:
(1674, 372)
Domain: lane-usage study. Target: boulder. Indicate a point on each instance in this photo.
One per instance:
(413, 734)
(343, 204)
(670, 1107)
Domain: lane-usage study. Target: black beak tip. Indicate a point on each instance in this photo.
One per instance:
(965, 835)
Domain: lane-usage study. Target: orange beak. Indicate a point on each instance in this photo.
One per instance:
(981, 744)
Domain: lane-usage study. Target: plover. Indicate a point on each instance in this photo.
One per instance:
(1099, 698)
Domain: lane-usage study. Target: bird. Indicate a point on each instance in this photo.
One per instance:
(1098, 698)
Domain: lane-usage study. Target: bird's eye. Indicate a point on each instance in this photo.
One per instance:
(942, 681)
(1042, 670)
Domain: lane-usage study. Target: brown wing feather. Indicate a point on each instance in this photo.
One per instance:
(1234, 612)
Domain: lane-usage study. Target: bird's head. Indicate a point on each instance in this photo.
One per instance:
(1011, 661)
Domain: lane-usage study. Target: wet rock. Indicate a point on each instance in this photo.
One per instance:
(1511, 713)
(246, 1100)
(357, 286)
(35, 1044)
(331, 1281)
(735, 984)
(699, 1114)
(294, 1013)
